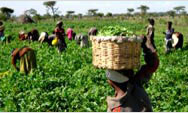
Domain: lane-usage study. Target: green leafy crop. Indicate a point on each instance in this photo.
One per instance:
(68, 82)
(115, 30)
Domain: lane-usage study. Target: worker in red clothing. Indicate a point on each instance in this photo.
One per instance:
(60, 34)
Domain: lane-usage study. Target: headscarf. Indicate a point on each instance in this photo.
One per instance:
(59, 22)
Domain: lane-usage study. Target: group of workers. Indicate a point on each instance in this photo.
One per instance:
(58, 36)
(27, 56)
(128, 85)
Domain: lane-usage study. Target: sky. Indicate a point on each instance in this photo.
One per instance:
(102, 6)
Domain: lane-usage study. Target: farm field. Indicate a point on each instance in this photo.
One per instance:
(68, 82)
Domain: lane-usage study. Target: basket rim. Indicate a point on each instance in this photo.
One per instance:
(117, 39)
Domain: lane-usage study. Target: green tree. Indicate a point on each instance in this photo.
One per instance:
(143, 9)
(31, 12)
(70, 14)
(46, 16)
(109, 14)
(92, 12)
(130, 11)
(171, 13)
(50, 5)
(37, 17)
(6, 11)
(100, 14)
(179, 9)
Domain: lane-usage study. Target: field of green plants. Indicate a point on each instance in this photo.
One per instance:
(68, 82)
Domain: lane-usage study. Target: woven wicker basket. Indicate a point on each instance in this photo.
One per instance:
(109, 54)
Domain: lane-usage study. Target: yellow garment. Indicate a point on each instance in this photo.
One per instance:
(55, 41)
(28, 62)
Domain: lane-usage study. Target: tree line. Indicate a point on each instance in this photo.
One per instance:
(53, 12)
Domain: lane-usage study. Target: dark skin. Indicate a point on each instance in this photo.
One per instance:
(119, 91)
(149, 35)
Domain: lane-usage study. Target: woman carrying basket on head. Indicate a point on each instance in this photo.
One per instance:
(130, 95)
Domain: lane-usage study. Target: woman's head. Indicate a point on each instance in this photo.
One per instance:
(59, 24)
(151, 21)
(169, 24)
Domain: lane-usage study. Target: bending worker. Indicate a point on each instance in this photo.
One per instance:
(27, 59)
